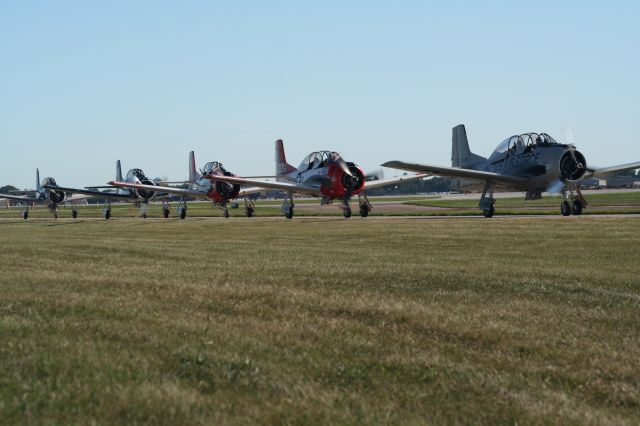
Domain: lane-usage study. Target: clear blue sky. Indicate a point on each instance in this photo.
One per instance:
(84, 83)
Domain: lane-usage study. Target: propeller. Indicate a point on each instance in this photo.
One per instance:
(343, 164)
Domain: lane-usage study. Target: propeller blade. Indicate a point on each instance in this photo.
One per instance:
(343, 165)
(556, 187)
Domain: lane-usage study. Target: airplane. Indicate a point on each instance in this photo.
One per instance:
(47, 192)
(205, 185)
(139, 197)
(530, 162)
(323, 174)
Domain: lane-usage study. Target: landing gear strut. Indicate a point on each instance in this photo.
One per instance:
(249, 206)
(182, 209)
(346, 208)
(487, 201)
(106, 211)
(573, 202)
(365, 205)
(287, 206)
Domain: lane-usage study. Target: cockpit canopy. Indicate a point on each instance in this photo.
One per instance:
(524, 140)
(135, 173)
(317, 159)
(213, 167)
(49, 181)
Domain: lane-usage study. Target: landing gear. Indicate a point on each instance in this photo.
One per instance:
(143, 210)
(489, 212)
(249, 206)
(487, 201)
(226, 212)
(287, 206)
(25, 213)
(346, 212)
(577, 208)
(74, 213)
(365, 205)
(165, 209)
(106, 211)
(55, 214)
(573, 202)
(182, 209)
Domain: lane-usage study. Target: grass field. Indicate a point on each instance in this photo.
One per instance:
(315, 321)
(607, 203)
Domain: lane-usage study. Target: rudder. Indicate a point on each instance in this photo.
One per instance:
(282, 167)
(461, 155)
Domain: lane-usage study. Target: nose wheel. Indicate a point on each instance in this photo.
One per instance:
(573, 203)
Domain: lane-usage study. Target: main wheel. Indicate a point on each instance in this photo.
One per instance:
(249, 211)
(25, 214)
(226, 214)
(489, 212)
(565, 208)
(74, 213)
(577, 208)
(289, 214)
(165, 213)
(55, 215)
(364, 211)
(346, 213)
(107, 214)
(143, 215)
(183, 212)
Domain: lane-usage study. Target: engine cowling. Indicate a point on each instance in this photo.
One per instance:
(57, 197)
(146, 194)
(225, 190)
(343, 185)
(573, 165)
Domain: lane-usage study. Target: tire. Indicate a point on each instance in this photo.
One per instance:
(165, 213)
(183, 213)
(74, 214)
(55, 215)
(489, 212)
(25, 215)
(577, 208)
(289, 215)
(346, 213)
(144, 215)
(107, 214)
(226, 214)
(364, 212)
(249, 212)
(565, 208)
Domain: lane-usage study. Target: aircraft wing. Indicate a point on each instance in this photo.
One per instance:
(604, 171)
(372, 184)
(162, 189)
(19, 198)
(88, 193)
(282, 186)
(457, 172)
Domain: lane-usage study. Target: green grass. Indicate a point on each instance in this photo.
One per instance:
(316, 321)
(612, 203)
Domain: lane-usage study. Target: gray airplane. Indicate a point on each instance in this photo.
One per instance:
(531, 162)
(47, 192)
(139, 197)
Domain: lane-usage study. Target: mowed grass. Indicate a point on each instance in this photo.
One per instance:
(316, 321)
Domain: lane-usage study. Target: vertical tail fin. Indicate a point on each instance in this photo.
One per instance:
(38, 183)
(118, 171)
(282, 167)
(193, 172)
(461, 155)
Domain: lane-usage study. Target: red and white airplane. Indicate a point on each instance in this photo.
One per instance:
(323, 174)
(205, 185)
